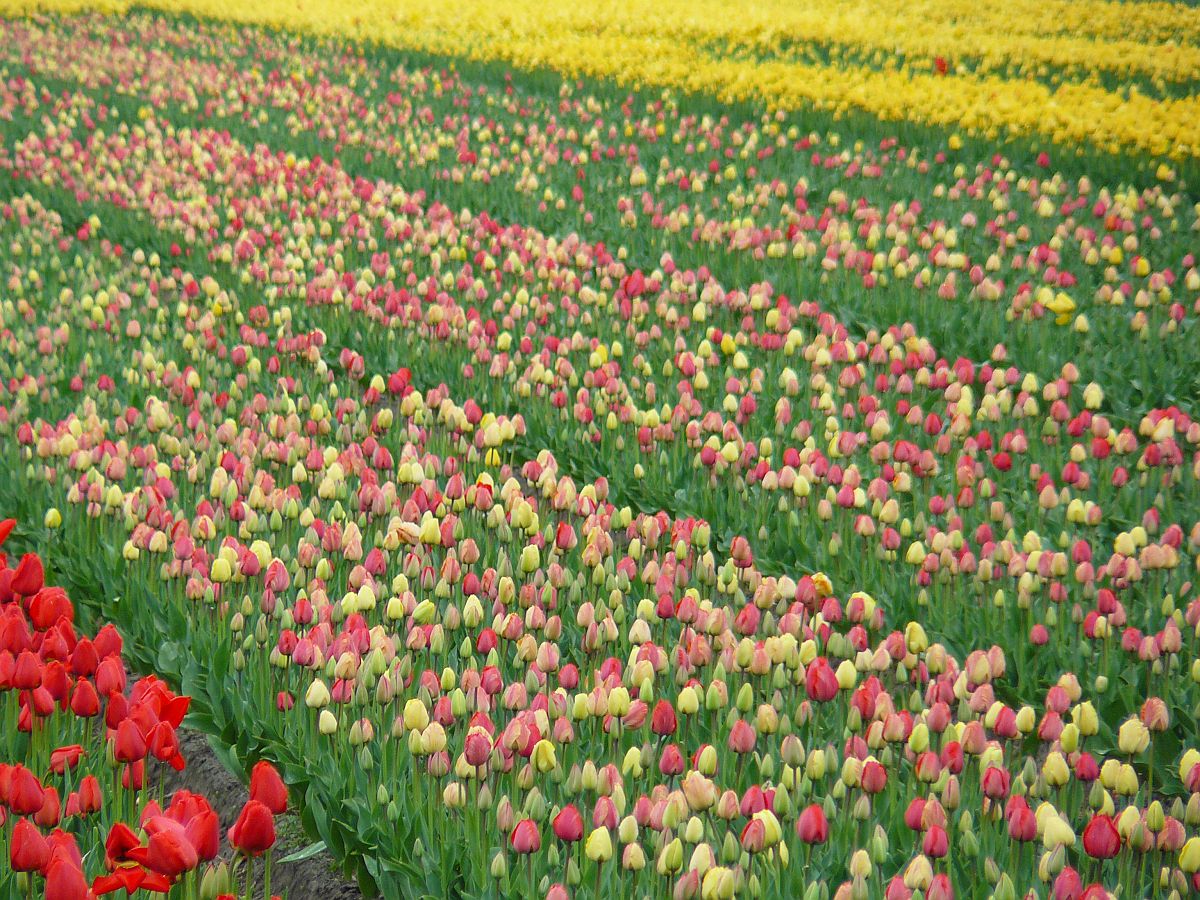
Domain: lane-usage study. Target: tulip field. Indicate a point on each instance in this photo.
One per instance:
(624, 451)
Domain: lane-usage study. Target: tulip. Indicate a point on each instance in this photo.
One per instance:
(718, 883)
(1068, 885)
(741, 737)
(26, 795)
(995, 783)
(699, 791)
(1133, 737)
(820, 681)
(663, 721)
(268, 788)
(1100, 838)
(254, 831)
(27, 849)
(670, 761)
(1189, 856)
(812, 826)
(525, 837)
(64, 758)
(1057, 833)
(65, 881)
(478, 748)
(568, 824)
(598, 847)
(936, 842)
(29, 576)
(170, 853)
(130, 745)
(543, 757)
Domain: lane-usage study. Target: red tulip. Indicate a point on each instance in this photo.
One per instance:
(1022, 824)
(914, 815)
(1087, 769)
(203, 830)
(163, 745)
(65, 758)
(117, 845)
(84, 659)
(254, 831)
(170, 853)
(108, 642)
(51, 812)
(84, 701)
(995, 783)
(110, 676)
(477, 748)
(28, 672)
(936, 843)
(820, 681)
(1101, 840)
(64, 846)
(25, 792)
(940, 888)
(663, 721)
(1068, 885)
(130, 743)
(267, 787)
(752, 801)
(741, 737)
(525, 837)
(670, 762)
(90, 798)
(133, 776)
(48, 605)
(56, 681)
(28, 851)
(874, 777)
(604, 814)
(568, 824)
(754, 836)
(812, 827)
(65, 881)
(29, 576)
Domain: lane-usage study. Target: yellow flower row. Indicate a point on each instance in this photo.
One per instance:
(669, 43)
(1024, 34)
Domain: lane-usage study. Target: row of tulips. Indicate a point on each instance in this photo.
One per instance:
(943, 236)
(910, 497)
(82, 813)
(460, 636)
(761, 58)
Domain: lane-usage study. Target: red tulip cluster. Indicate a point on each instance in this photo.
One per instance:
(70, 713)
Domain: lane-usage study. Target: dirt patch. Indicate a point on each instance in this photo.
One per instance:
(314, 878)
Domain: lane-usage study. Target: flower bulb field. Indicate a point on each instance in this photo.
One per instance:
(635, 450)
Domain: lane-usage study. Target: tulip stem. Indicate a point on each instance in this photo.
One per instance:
(249, 876)
(267, 876)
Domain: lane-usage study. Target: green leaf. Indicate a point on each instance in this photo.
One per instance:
(168, 658)
(228, 756)
(304, 853)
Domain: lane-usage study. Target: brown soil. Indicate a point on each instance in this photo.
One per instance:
(314, 878)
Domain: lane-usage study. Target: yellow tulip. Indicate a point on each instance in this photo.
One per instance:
(599, 846)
